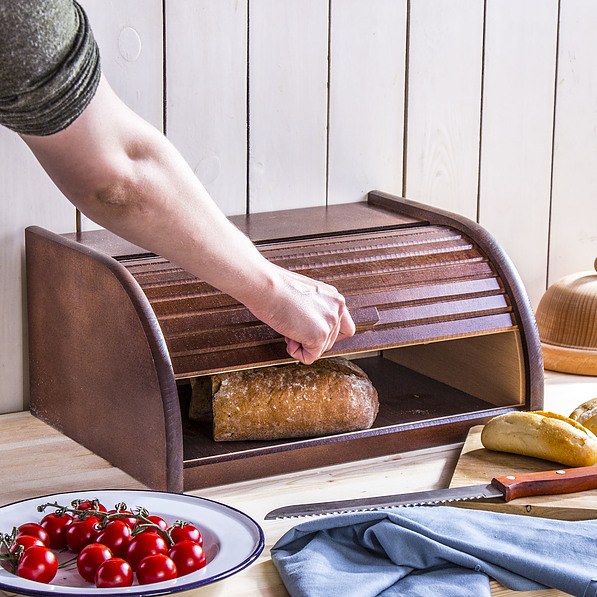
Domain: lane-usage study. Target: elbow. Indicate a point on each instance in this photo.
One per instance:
(117, 195)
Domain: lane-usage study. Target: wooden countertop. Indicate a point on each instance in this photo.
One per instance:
(38, 460)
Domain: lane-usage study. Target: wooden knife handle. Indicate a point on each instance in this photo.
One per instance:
(566, 480)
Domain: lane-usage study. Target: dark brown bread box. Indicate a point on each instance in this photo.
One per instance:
(444, 330)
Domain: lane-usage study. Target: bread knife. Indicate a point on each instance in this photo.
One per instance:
(506, 488)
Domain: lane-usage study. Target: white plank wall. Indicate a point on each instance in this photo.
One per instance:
(281, 104)
(206, 62)
(573, 244)
(366, 117)
(288, 48)
(27, 197)
(444, 103)
(129, 36)
(516, 147)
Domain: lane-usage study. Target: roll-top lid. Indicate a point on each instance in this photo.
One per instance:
(403, 285)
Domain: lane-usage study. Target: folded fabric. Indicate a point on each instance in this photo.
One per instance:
(437, 551)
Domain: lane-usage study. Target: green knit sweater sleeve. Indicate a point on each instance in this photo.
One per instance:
(49, 65)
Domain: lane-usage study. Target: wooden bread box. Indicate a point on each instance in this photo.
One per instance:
(445, 331)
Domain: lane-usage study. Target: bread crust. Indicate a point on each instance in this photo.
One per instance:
(586, 414)
(541, 434)
(292, 401)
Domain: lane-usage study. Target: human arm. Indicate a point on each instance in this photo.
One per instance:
(127, 177)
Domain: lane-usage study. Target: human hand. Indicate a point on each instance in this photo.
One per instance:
(311, 315)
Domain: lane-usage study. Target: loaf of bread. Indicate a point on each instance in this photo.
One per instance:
(586, 415)
(331, 396)
(541, 434)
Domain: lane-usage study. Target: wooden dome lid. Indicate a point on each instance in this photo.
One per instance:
(567, 322)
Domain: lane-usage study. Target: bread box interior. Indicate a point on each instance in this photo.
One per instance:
(444, 331)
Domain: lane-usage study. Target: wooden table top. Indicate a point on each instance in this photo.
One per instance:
(38, 460)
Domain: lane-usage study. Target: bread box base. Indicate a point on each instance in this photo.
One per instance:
(444, 330)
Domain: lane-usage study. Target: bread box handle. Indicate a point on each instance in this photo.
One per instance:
(365, 318)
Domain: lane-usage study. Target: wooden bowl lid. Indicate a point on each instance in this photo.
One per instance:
(567, 322)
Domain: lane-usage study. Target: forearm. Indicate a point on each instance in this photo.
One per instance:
(160, 205)
(140, 188)
(126, 176)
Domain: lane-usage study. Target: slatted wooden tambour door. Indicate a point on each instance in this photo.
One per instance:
(444, 330)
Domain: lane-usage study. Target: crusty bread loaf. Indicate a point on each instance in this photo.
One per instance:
(330, 396)
(586, 415)
(543, 435)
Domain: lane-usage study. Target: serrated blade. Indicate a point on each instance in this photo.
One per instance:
(434, 497)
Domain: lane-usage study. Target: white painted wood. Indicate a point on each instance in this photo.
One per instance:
(444, 102)
(366, 121)
(129, 35)
(206, 66)
(516, 140)
(573, 245)
(27, 197)
(287, 103)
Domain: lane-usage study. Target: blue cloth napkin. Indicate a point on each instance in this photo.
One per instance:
(436, 551)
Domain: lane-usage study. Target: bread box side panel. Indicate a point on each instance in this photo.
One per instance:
(99, 369)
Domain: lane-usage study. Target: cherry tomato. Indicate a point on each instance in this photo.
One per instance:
(91, 558)
(116, 535)
(145, 544)
(185, 532)
(156, 520)
(34, 530)
(81, 533)
(55, 525)
(156, 568)
(130, 520)
(26, 541)
(188, 557)
(38, 563)
(115, 572)
(87, 505)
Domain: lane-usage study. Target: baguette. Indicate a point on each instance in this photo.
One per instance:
(586, 414)
(541, 434)
(291, 401)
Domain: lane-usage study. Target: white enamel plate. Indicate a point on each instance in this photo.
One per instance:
(231, 540)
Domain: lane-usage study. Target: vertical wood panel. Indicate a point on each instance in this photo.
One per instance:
(516, 148)
(27, 197)
(442, 151)
(206, 66)
(287, 103)
(573, 245)
(129, 35)
(368, 42)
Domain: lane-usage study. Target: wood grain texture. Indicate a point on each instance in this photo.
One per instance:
(516, 143)
(410, 471)
(288, 45)
(129, 36)
(36, 459)
(444, 104)
(28, 443)
(366, 116)
(489, 367)
(72, 292)
(396, 279)
(520, 303)
(477, 465)
(206, 91)
(573, 246)
(208, 332)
